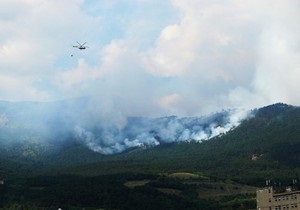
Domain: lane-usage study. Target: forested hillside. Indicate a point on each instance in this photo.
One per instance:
(270, 140)
(267, 145)
(264, 146)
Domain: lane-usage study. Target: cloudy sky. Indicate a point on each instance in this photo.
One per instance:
(152, 57)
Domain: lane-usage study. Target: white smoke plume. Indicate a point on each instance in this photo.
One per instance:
(149, 132)
(103, 130)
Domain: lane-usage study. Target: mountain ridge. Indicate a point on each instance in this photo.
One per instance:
(77, 120)
(262, 136)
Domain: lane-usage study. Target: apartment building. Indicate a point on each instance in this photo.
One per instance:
(278, 198)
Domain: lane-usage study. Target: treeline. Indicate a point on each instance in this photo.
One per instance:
(107, 192)
(265, 146)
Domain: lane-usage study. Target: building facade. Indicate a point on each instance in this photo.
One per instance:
(271, 198)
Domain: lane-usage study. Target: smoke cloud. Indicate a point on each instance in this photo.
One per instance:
(148, 132)
(154, 58)
(145, 59)
(72, 121)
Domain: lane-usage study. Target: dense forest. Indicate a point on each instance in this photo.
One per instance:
(220, 173)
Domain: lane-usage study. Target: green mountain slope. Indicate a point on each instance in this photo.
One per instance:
(264, 146)
(216, 174)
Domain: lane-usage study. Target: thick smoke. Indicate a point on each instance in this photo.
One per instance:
(103, 130)
(149, 132)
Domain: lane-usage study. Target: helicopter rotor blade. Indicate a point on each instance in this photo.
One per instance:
(79, 43)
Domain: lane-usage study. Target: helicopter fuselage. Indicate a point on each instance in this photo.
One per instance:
(81, 46)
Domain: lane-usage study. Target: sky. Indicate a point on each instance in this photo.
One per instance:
(152, 57)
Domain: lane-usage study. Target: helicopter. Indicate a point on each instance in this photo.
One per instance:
(81, 46)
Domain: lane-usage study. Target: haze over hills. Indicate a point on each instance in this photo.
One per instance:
(77, 120)
(37, 133)
(151, 70)
(220, 153)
